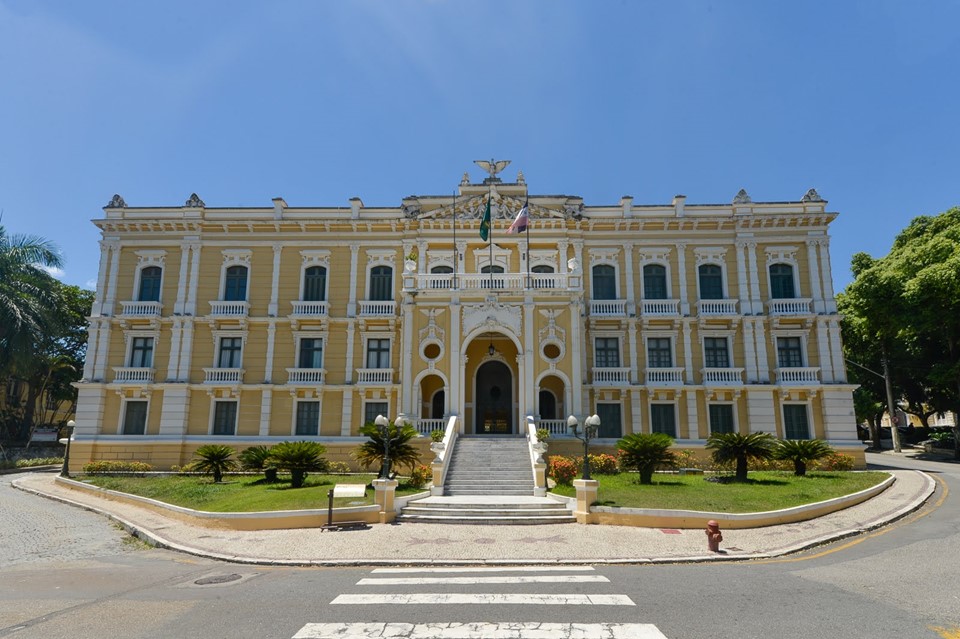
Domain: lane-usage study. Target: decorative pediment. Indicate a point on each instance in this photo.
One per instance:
(237, 256)
(491, 315)
(604, 255)
(151, 257)
(551, 331)
(781, 253)
(709, 254)
(654, 254)
(503, 207)
(315, 257)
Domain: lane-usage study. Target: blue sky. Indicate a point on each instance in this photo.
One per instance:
(319, 102)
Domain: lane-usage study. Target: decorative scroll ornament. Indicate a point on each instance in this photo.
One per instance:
(742, 197)
(502, 208)
(194, 202)
(812, 196)
(492, 315)
(116, 202)
(410, 211)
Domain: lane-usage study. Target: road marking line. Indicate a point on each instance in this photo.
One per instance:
(481, 630)
(486, 598)
(489, 569)
(500, 579)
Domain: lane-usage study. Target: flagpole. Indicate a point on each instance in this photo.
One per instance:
(490, 232)
(456, 256)
(527, 204)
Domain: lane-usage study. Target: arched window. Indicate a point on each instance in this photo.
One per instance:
(654, 282)
(315, 284)
(441, 282)
(711, 282)
(381, 283)
(436, 404)
(150, 284)
(493, 282)
(235, 284)
(604, 282)
(543, 282)
(548, 405)
(781, 282)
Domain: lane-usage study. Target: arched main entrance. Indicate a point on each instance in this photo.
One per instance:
(494, 399)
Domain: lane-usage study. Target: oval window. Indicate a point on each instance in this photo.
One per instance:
(551, 351)
(431, 351)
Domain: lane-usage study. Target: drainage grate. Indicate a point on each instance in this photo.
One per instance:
(218, 579)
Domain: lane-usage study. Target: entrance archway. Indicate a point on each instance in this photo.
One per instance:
(493, 399)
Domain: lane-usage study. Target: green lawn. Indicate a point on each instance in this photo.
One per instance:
(767, 490)
(242, 493)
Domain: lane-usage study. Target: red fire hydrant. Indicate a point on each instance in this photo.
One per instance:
(713, 536)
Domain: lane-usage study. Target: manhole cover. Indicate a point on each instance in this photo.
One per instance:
(217, 579)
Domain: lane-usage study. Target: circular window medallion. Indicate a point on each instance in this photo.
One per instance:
(551, 351)
(431, 351)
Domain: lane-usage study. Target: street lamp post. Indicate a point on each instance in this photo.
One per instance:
(590, 427)
(383, 425)
(65, 471)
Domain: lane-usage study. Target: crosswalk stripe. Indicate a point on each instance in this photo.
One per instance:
(499, 579)
(486, 598)
(503, 630)
(462, 569)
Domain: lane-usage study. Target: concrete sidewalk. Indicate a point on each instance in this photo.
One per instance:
(420, 544)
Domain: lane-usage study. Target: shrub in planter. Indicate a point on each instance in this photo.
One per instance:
(543, 434)
(436, 435)
(562, 469)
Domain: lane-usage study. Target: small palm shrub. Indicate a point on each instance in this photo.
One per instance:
(420, 476)
(645, 452)
(259, 458)
(299, 458)
(214, 459)
(740, 448)
(834, 462)
(109, 467)
(403, 454)
(801, 452)
(562, 469)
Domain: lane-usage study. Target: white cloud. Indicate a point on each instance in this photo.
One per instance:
(90, 285)
(53, 270)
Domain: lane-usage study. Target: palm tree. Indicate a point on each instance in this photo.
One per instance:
(646, 452)
(27, 291)
(402, 452)
(801, 451)
(728, 447)
(299, 458)
(259, 458)
(214, 459)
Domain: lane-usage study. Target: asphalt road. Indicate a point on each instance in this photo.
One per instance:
(66, 573)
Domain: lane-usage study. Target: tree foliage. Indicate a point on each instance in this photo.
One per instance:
(214, 459)
(299, 458)
(801, 452)
(645, 452)
(740, 448)
(402, 452)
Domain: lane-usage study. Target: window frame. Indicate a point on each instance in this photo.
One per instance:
(707, 350)
(798, 409)
(794, 283)
(124, 416)
(374, 276)
(668, 350)
(380, 351)
(801, 351)
(297, 415)
(226, 294)
(733, 427)
(306, 282)
(645, 279)
(605, 432)
(301, 351)
(139, 284)
(216, 403)
(611, 346)
(614, 281)
(373, 414)
(719, 275)
(660, 408)
(239, 351)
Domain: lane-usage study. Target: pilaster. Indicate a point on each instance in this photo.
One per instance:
(182, 280)
(693, 421)
(750, 352)
(687, 351)
(191, 308)
(105, 249)
(763, 361)
(407, 350)
(271, 343)
(176, 334)
(814, 270)
(577, 354)
(110, 297)
(628, 271)
(186, 351)
(682, 275)
(743, 289)
(352, 304)
(266, 406)
(275, 282)
(636, 410)
(756, 304)
(823, 353)
(175, 411)
(836, 352)
(826, 272)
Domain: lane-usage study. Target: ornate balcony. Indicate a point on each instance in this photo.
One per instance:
(660, 308)
(140, 309)
(717, 307)
(509, 282)
(309, 309)
(374, 375)
(722, 376)
(608, 308)
(376, 308)
(789, 307)
(664, 376)
(221, 308)
(553, 426)
(610, 376)
(427, 426)
(127, 375)
(306, 375)
(223, 375)
(798, 375)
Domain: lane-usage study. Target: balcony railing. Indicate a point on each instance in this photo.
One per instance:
(722, 375)
(223, 308)
(306, 375)
(789, 307)
(717, 307)
(374, 375)
(497, 281)
(377, 308)
(798, 375)
(659, 307)
(554, 426)
(133, 375)
(611, 375)
(665, 376)
(140, 309)
(309, 309)
(608, 308)
(427, 426)
(223, 375)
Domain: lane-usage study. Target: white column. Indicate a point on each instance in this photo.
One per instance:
(628, 266)
(826, 272)
(456, 366)
(352, 304)
(813, 267)
(836, 352)
(271, 342)
(750, 352)
(577, 354)
(682, 274)
(176, 333)
(182, 280)
(743, 290)
(110, 298)
(346, 412)
(103, 345)
(275, 282)
(632, 345)
(823, 353)
(763, 366)
(90, 408)
(266, 406)
(687, 353)
(636, 410)
(755, 301)
(528, 341)
(186, 351)
(191, 308)
(348, 371)
(693, 428)
(93, 331)
(105, 248)
(407, 347)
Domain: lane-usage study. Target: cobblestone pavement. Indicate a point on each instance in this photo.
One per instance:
(35, 530)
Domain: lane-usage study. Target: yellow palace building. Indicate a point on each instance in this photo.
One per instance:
(257, 325)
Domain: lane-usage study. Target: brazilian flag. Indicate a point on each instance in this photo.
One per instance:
(485, 223)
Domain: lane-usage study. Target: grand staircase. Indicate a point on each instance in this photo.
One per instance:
(489, 481)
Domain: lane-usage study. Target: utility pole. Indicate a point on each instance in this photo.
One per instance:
(891, 409)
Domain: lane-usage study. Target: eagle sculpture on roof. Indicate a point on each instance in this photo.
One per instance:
(493, 166)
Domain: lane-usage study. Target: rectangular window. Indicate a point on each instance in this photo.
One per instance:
(135, 418)
(381, 283)
(795, 425)
(308, 418)
(224, 418)
(230, 350)
(141, 352)
(654, 282)
(658, 352)
(607, 353)
(663, 419)
(789, 352)
(721, 418)
(378, 353)
(715, 353)
(372, 409)
(611, 424)
(604, 282)
(311, 352)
